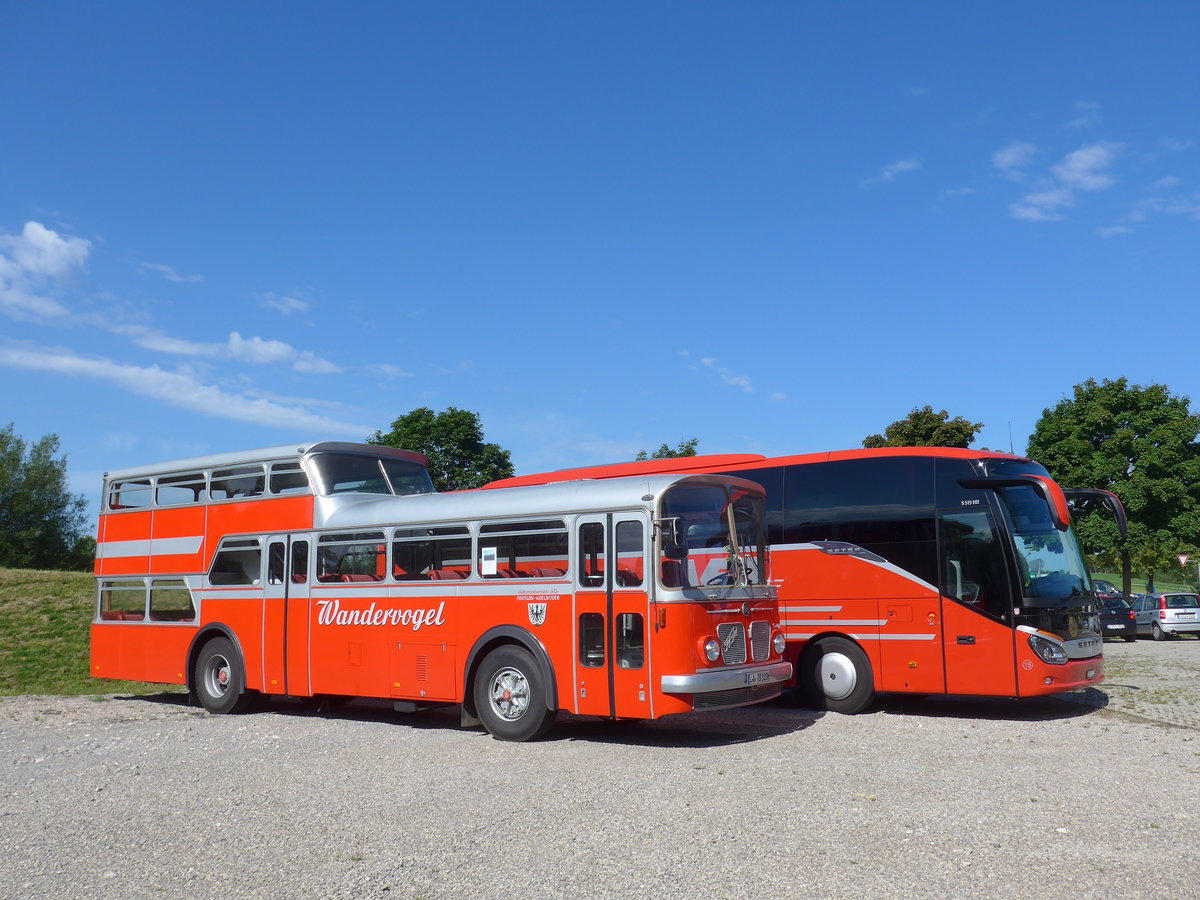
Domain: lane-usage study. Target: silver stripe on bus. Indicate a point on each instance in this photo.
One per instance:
(155, 547)
(839, 623)
(793, 636)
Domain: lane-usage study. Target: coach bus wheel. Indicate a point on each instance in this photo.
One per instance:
(510, 695)
(836, 675)
(220, 679)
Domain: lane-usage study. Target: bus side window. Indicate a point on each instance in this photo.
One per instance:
(630, 562)
(299, 562)
(237, 562)
(591, 640)
(972, 564)
(631, 641)
(171, 601)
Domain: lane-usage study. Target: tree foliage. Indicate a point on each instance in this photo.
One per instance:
(459, 458)
(925, 428)
(685, 448)
(41, 523)
(1141, 444)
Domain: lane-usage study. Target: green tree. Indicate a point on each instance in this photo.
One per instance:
(41, 523)
(1141, 444)
(925, 428)
(459, 458)
(685, 448)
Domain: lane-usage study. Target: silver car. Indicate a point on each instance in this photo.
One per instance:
(1161, 615)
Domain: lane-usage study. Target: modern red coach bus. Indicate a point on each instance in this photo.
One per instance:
(917, 570)
(333, 569)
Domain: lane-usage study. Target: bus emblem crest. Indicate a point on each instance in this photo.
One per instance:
(537, 613)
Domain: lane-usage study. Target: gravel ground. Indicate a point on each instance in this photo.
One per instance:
(1093, 794)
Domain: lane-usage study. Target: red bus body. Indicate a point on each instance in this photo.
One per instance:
(208, 576)
(947, 571)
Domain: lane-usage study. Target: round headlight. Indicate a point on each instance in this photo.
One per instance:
(780, 642)
(712, 649)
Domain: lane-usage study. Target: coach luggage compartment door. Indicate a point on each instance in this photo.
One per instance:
(285, 616)
(612, 673)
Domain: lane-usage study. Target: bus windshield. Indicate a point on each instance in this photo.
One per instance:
(1051, 561)
(711, 537)
(339, 473)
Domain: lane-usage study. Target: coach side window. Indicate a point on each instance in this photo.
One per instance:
(238, 483)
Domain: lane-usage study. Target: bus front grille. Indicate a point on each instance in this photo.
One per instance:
(733, 643)
(760, 641)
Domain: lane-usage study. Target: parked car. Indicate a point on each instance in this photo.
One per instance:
(1117, 618)
(1162, 615)
(1105, 589)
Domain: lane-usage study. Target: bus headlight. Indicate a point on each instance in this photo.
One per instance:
(1047, 651)
(780, 643)
(712, 649)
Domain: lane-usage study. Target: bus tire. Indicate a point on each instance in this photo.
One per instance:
(835, 675)
(219, 678)
(510, 695)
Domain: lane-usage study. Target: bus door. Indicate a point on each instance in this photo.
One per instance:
(612, 663)
(977, 632)
(285, 616)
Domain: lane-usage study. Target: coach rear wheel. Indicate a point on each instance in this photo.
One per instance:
(835, 674)
(510, 695)
(219, 678)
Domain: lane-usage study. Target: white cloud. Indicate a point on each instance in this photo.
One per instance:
(738, 381)
(890, 172)
(1112, 231)
(180, 389)
(1089, 114)
(1084, 168)
(389, 371)
(34, 262)
(282, 304)
(257, 350)
(1013, 157)
(170, 274)
(1043, 206)
(1169, 182)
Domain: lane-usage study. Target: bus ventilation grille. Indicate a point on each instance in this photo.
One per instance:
(736, 697)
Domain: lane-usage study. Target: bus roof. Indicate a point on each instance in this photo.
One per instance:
(264, 454)
(558, 498)
(724, 462)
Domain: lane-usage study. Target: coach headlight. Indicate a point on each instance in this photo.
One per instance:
(1048, 651)
(712, 649)
(780, 642)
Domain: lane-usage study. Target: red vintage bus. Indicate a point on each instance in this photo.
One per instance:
(333, 569)
(917, 570)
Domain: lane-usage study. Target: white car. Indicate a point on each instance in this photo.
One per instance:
(1160, 615)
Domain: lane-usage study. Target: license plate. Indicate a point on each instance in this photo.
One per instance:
(1112, 626)
(758, 677)
(1186, 615)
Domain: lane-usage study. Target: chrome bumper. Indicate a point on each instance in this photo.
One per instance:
(726, 679)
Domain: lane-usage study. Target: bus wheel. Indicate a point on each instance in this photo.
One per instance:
(510, 695)
(219, 678)
(836, 675)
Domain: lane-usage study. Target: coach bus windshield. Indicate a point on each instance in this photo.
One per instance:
(340, 473)
(1051, 561)
(712, 538)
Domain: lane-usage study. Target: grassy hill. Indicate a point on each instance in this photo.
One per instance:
(44, 619)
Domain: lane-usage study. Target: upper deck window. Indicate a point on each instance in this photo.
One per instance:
(288, 478)
(135, 494)
(340, 473)
(237, 483)
(173, 490)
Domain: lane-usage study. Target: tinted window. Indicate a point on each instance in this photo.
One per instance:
(884, 505)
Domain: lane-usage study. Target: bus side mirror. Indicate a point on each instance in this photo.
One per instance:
(1108, 500)
(672, 546)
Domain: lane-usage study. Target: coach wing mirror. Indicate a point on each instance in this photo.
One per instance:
(1056, 500)
(1108, 500)
(673, 545)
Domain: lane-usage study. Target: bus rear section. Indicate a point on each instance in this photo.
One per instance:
(623, 599)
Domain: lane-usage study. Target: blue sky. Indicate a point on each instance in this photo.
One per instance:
(774, 227)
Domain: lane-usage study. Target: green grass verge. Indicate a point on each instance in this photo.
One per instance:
(44, 629)
(1138, 585)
